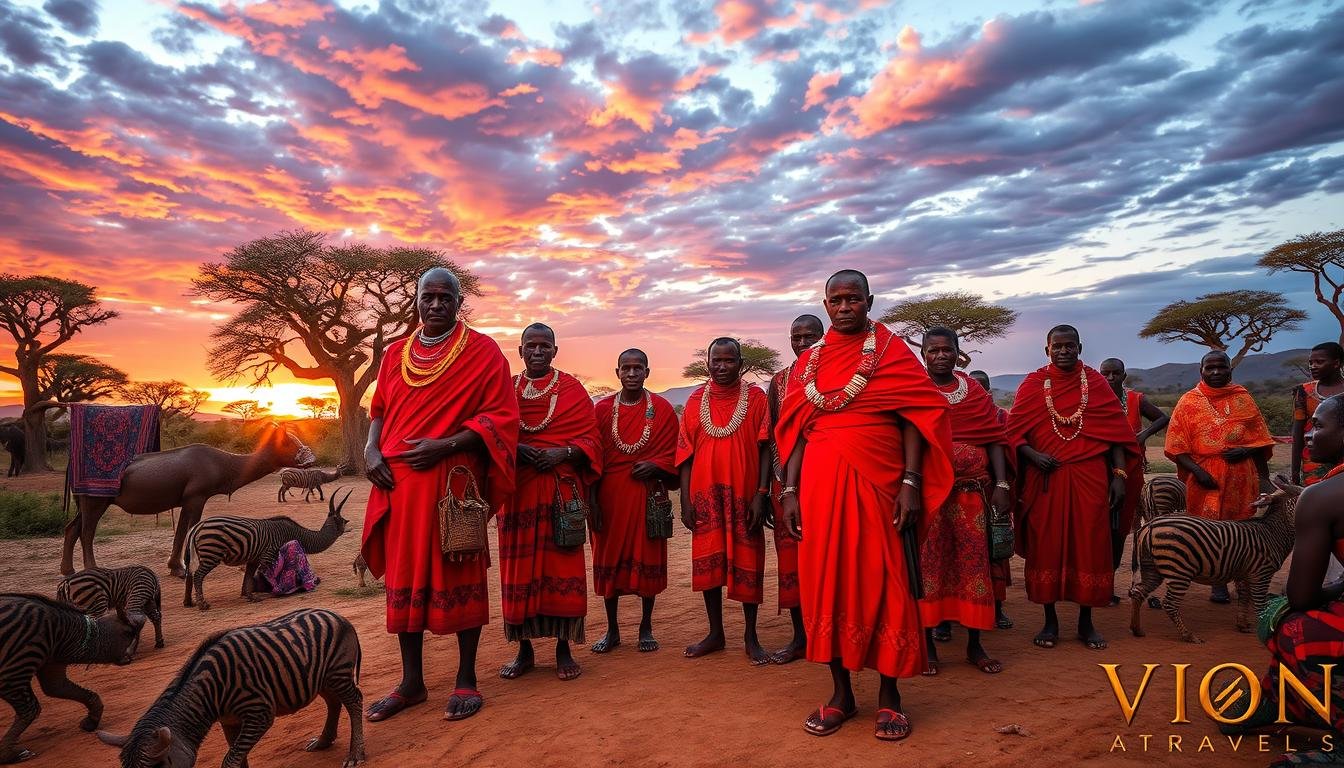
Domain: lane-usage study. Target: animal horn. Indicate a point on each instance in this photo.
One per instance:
(165, 740)
(112, 739)
(334, 509)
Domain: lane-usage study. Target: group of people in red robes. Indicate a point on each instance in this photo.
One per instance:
(890, 483)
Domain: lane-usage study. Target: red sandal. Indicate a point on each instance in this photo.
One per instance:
(821, 728)
(463, 696)
(887, 717)
(391, 705)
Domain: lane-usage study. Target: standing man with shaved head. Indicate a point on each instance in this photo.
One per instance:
(1137, 407)
(544, 584)
(638, 430)
(805, 331)
(443, 401)
(1221, 445)
(1075, 452)
(725, 463)
(868, 445)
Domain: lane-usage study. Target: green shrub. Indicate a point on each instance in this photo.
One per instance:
(24, 514)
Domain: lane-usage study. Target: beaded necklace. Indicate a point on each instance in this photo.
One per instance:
(1217, 417)
(857, 382)
(958, 394)
(1073, 420)
(644, 436)
(417, 375)
(523, 393)
(530, 392)
(739, 413)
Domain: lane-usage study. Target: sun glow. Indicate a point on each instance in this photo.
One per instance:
(281, 399)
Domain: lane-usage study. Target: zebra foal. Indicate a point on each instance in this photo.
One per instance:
(309, 479)
(1184, 549)
(134, 589)
(40, 637)
(245, 678)
(252, 543)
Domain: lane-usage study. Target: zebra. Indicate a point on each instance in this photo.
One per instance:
(40, 637)
(253, 543)
(245, 678)
(1162, 495)
(308, 479)
(1182, 549)
(134, 589)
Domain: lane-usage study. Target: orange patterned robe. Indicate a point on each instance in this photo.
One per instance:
(1206, 422)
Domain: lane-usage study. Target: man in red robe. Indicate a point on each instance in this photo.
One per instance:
(805, 331)
(544, 586)
(1075, 452)
(955, 555)
(722, 455)
(638, 432)
(1000, 571)
(1137, 407)
(442, 401)
(869, 447)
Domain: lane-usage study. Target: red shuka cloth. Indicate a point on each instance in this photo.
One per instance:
(856, 593)
(401, 527)
(1065, 525)
(955, 554)
(625, 560)
(544, 588)
(1134, 483)
(723, 483)
(786, 547)
(1205, 422)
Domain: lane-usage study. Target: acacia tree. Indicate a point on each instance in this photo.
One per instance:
(973, 319)
(1314, 255)
(317, 407)
(245, 409)
(1247, 319)
(78, 378)
(42, 313)
(174, 399)
(302, 300)
(757, 360)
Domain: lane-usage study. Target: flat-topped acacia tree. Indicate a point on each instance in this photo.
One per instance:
(321, 311)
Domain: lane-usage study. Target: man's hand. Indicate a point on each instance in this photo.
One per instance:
(1205, 480)
(909, 503)
(527, 455)
(687, 514)
(757, 513)
(791, 516)
(425, 452)
(644, 470)
(1043, 461)
(549, 458)
(1236, 454)
(378, 472)
(1000, 500)
(1116, 493)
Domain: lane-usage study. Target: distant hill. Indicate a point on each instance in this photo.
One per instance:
(678, 395)
(1253, 368)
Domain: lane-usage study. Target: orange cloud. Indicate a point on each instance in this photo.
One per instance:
(817, 87)
(697, 78)
(543, 56)
(390, 59)
(744, 19)
(622, 103)
(518, 90)
(284, 13)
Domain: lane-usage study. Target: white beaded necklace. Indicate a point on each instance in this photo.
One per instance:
(739, 413)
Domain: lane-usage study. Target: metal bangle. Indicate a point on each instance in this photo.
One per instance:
(909, 482)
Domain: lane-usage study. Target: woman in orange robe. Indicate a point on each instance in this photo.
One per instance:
(639, 445)
(869, 446)
(543, 586)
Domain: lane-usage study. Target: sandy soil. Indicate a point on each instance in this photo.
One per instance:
(656, 709)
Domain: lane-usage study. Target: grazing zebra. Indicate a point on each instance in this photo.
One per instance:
(308, 479)
(1184, 549)
(134, 589)
(40, 636)
(245, 678)
(253, 543)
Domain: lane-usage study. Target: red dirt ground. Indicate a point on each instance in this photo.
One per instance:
(656, 709)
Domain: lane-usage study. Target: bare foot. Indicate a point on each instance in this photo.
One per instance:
(607, 643)
(646, 642)
(795, 650)
(520, 665)
(567, 670)
(756, 653)
(711, 644)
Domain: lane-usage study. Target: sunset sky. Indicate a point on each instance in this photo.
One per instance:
(647, 173)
